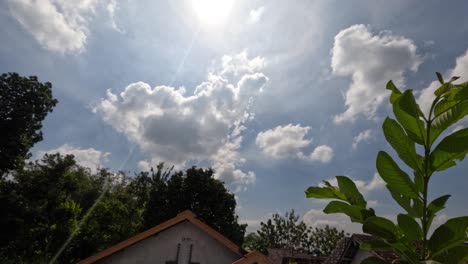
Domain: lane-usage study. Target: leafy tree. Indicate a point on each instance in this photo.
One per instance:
(412, 127)
(195, 189)
(289, 233)
(24, 103)
(44, 203)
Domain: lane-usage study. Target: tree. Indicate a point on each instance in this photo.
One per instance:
(197, 190)
(289, 233)
(43, 204)
(24, 103)
(409, 236)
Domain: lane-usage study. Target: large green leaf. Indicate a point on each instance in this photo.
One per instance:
(435, 206)
(395, 92)
(449, 235)
(453, 147)
(381, 227)
(408, 114)
(402, 144)
(397, 180)
(374, 260)
(410, 227)
(455, 255)
(353, 211)
(448, 118)
(376, 244)
(348, 188)
(324, 193)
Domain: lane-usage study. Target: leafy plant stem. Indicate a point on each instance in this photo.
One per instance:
(427, 153)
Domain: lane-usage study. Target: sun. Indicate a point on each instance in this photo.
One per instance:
(212, 12)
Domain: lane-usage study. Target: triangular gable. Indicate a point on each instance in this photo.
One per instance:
(254, 257)
(184, 216)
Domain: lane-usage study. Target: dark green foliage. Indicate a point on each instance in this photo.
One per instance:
(196, 190)
(412, 127)
(24, 103)
(44, 203)
(289, 233)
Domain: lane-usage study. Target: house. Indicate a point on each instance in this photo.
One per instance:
(183, 239)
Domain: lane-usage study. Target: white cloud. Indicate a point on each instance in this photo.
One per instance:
(58, 25)
(322, 153)
(90, 157)
(363, 136)
(289, 141)
(365, 188)
(283, 141)
(112, 8)
(371, 60)
(171, 126)
(256, 14)
(427, 95)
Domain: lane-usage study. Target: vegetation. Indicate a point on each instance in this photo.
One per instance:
(46, 202)
(289, 233)
(24, 103)
(409, 236)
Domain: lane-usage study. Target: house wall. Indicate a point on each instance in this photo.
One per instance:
(162, 247)
(360, 256)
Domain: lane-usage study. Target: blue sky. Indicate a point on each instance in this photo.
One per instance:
(274, 95)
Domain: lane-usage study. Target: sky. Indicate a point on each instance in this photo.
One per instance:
(275, 96)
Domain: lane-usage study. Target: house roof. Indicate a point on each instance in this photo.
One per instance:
(183, 216)
(253, 257)
(282, 255)
(347, 247)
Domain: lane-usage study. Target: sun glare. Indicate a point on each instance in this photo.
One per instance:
(212, 12)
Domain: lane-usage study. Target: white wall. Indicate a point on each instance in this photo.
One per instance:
(163, 247)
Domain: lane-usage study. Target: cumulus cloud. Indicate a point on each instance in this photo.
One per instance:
(363, 136)
(288, 142)
(256, 14)
(427, 95)
(322, 153)
(90, 157)
(59, 25)
(283, 141)
(371, 60)
(171, 126)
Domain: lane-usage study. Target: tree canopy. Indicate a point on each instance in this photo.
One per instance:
(45, 203)
(288, 232)
(24, 103)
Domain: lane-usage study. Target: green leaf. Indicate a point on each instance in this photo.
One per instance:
(323, 193)
(374, 260)
(348, 188)
(451, 234)
(401, 143)
(410, 227)
(381, 227)
(449, 117)
(439, 76)
(395, 92)
(453, 147)
(443, 89)
(456, 255)
(396, 179)
(376, 244)
(353, 211)
(408, 114)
